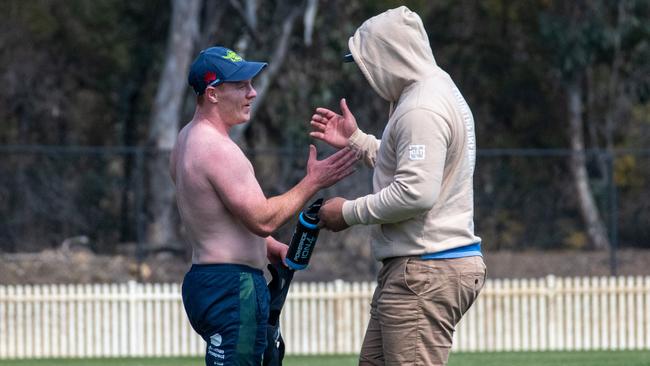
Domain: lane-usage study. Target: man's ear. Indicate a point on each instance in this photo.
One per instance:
(211, 95)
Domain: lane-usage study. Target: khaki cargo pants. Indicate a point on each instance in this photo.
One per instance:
(415, 309)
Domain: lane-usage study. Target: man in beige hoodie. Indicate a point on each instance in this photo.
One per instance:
(421, 210)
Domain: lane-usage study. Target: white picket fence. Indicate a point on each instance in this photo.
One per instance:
(322, 318)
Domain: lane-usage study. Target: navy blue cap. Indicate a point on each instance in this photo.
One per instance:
(216, 65)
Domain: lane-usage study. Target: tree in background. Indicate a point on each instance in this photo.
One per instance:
(583, 37)
(83, 73)
(165, 115)
(570, 31)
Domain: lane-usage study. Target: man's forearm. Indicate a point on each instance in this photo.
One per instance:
(287, 205)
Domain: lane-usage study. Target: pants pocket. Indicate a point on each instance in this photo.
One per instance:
(471, 285)
(423, 278)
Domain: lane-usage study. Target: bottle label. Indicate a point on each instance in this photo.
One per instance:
(305, 246)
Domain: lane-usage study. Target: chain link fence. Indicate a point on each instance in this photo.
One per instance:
(54, 196)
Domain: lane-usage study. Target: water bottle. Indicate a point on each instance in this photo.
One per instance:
(304, 237)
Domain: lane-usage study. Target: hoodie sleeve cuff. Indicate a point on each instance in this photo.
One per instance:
(348, 213)
(355, 141)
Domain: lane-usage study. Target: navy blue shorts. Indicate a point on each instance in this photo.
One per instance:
(228, 305)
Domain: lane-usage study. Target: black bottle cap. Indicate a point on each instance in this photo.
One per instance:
(311, 214)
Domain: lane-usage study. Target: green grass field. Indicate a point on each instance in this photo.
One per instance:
(600, 358)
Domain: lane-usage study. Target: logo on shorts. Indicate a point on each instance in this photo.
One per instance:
(416, 152)
(215, 340)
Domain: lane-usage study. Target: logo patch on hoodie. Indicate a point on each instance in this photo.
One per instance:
(416, 152)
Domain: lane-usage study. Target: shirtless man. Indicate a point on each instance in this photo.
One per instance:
(228, 219)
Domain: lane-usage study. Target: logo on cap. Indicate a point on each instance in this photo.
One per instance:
(209, 77)
(232, 56)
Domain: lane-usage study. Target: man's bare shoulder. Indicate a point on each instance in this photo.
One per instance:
(205, 142)
(214, 155)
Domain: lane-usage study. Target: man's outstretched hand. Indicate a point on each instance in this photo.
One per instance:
(326, 172)
(333, 128)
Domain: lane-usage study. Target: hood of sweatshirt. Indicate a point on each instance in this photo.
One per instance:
(392, 50)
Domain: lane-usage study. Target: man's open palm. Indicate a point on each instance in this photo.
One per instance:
(333, 128)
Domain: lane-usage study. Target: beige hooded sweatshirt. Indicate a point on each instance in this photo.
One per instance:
(424, 164)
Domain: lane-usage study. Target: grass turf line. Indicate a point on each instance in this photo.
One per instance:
(579, 358)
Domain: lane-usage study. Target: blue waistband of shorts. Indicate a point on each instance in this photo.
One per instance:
(225, 267)
(460, 252)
